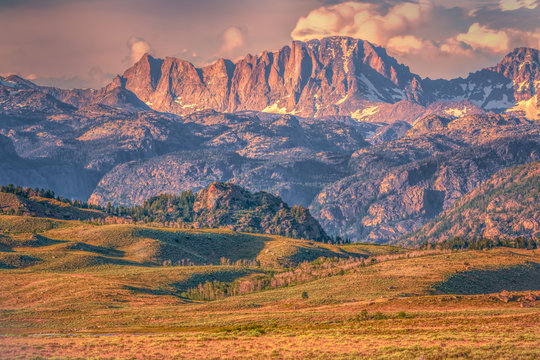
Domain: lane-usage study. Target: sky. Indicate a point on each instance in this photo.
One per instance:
(85, 43)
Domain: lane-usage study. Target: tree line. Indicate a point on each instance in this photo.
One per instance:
(481, 243)
(27, 192)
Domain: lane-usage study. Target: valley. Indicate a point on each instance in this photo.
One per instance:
(72, 289)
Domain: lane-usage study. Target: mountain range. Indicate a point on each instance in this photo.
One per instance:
(331, 76)
(335, 124)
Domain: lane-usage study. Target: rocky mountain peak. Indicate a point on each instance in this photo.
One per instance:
(221, 196)
(143, 76)
(330, 76)
(518, 56)
(522, 66)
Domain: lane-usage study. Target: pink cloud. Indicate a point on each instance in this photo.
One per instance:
(510, 5)
(362, 20)
(233, 38)
(481, 37)
(138, 47)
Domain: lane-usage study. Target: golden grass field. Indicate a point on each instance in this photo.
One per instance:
(73, 290)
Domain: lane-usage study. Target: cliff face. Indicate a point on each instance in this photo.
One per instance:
(522, 66)
(504, 207)
(331, 76)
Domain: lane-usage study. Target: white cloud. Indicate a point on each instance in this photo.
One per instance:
(362, 20)
(233, 38)
(407, 44)
(137, 47)
(481, 37)
(510, 5)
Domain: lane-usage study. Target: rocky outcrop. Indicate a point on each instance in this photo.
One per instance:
(232, 207)
(522, 66)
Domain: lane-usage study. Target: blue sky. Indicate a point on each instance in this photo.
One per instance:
(84, 43)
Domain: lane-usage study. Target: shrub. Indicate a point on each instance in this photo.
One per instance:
(401, 315)
(379, 316)
(363, 315)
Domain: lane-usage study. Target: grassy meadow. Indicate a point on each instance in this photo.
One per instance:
(76, 290)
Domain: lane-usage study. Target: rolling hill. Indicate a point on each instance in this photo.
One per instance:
(206, 292)
(61, 245)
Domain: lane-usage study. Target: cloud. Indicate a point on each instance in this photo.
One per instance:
(408, 44)
(371, 22)
(233, 39)
(510, 5)
(137, 47)
(481, 37)
(525, 38)
(452, 46)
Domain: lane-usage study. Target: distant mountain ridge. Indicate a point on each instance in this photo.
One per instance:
(332, 76)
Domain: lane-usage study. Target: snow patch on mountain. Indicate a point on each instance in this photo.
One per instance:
(528, 108)
(365, 113)
(503, 103)
(342, 100)
(275, 109)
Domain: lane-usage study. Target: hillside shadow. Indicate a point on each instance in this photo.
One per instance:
(149, 291)
(40, 240)
(17, 261)
(80, 246)
(7, 243)
(474, 282)
(221, 276)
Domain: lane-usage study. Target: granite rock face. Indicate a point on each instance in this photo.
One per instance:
(398, 186)
(321, 77)
(504, 207)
